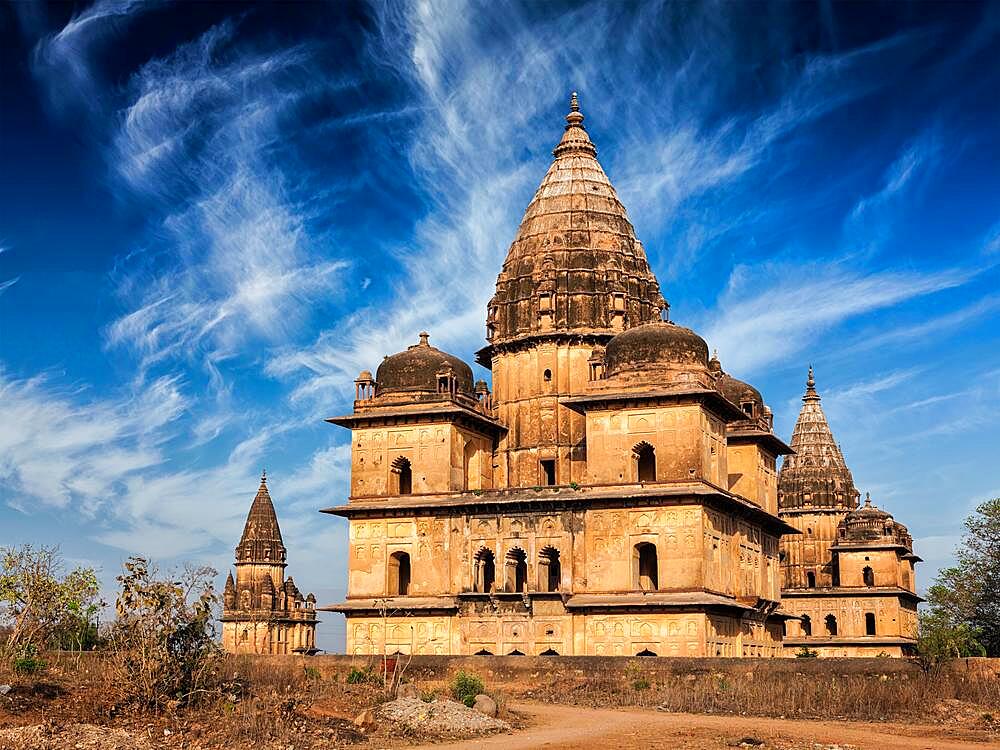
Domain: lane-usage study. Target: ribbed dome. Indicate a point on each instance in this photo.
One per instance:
(816, 474)
(870, 523)
(416, 369)
(575, 244)
(655, 346)
(739, 392)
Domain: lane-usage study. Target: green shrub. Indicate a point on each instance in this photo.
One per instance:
(640, 684)
(360, 676)
(27, 661)
(313, 674)
(805, 652)
(465, 688)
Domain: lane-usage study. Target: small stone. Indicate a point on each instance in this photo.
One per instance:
(365, 719)
(4, 689)
(485, 705)
(407, 690)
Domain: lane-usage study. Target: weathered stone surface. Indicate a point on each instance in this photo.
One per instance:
(485, 705)
(407, 690)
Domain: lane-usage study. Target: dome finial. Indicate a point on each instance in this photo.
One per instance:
(263, 476)
(811, 394)
(575, 117)
(868, 499)
(424, 336)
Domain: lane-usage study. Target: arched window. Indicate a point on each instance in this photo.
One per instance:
(645, 462)
(515, 652)
(549, 652)
(547, 375)
(402, 476)
(646, 652)
(869, 576)
(869, 623)
(485, 573)
(483, 652)
(811, 579)
(470, 466)
(516, 569)
(399, 574)
(549, 569)
(645, 575)
(831, 625)
(806, 625)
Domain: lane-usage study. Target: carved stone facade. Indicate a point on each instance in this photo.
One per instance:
(264, 612)
(615, 494)
(848, 575)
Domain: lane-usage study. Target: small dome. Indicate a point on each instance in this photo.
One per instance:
(365, 375)
(416, 369)
(655, 344)
(739, 392)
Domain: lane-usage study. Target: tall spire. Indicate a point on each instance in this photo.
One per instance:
(261, 541)
(816, 475)
(575, 265)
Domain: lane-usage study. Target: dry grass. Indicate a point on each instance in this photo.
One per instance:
(876, 697)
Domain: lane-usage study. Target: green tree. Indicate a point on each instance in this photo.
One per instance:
(939, 640)
(966, 598)
(41, 605)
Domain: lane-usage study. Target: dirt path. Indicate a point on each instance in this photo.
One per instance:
(557, 727)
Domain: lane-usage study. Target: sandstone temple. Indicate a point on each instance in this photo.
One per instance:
(264, 612)
(848, 573)
(616, 491)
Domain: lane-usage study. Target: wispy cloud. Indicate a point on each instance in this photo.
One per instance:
(63, 446)
(769, 313)
(198, 140)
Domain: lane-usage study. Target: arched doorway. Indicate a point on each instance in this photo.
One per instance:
(645, 462)
(549, 569)
(831, 625)
(402, 476)
(485, 571)
(516, 568)
(644, 567)
(399, 574)
(870, 623)
(869, 576)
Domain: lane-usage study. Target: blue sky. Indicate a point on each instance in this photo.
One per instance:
(213, 216)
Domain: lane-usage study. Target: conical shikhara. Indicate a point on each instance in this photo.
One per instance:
(263, 611)
(615, 493)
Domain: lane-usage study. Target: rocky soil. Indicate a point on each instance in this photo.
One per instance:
(440, 718)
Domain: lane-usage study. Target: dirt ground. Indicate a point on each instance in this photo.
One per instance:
(558, 727)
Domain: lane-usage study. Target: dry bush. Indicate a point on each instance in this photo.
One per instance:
(805, 695)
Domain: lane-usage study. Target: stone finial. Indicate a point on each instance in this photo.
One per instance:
(575, 117)
(424, 336)
(811, 393)
(263, 476)
(868, 499)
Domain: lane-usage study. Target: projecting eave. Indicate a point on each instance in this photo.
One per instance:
(638, 600)
(850, 591)
(394, 604)
(769, 440)
(435, 410)
(607, 399)
(562, 497)
(596, 336)
(872, 547)
(847, 640)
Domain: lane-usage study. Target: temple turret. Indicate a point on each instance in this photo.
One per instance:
(258, 616)
(816, 475)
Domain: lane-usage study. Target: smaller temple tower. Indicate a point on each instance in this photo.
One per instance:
(264, 612)
(848, 574)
